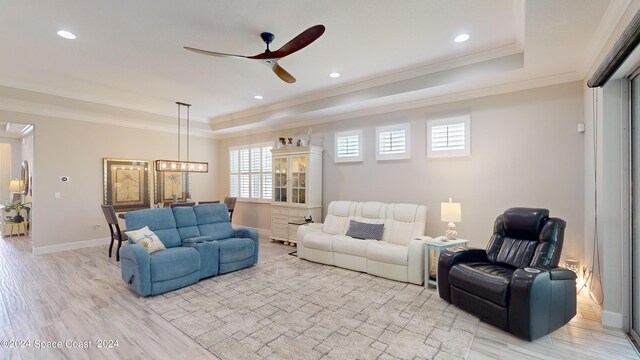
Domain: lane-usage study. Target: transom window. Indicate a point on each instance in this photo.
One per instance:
(448, 137)
(348, 146)
(250, 174)
(393, 142)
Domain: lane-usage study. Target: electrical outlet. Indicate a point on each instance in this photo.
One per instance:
(98, 226)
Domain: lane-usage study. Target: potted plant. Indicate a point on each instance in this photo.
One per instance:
(18, 206)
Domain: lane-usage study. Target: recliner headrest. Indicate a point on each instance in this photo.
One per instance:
(524, 223)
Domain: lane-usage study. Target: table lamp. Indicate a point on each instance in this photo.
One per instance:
(450, 212)
(15, 185)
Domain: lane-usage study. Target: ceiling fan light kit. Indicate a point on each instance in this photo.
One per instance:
(270, 58)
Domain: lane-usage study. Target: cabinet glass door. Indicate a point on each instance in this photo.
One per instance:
(298, 179)
(280, 179)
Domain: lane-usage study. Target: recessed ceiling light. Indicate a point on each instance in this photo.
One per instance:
(66, 34)
(334, 75)
(461, 38)
(258, 97)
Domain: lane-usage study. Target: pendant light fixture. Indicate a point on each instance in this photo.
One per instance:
(179, 165)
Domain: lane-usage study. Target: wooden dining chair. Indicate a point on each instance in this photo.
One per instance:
(231, 204)
(116, 234)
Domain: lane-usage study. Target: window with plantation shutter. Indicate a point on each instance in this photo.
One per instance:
(348, 146)
(448, 137)
(393, 142)
(250, 172)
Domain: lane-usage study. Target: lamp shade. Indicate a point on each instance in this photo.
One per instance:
(450, 212)
(15, 185)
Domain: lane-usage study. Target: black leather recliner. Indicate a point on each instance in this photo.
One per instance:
(515, 284)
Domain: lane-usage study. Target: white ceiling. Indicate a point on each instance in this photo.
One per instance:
(129, 54)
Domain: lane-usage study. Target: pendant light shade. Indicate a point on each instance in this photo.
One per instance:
(181, 165)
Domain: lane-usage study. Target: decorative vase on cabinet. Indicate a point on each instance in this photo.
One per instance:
(297, 190)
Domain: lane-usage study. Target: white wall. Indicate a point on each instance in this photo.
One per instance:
(76, 149)
(525, 151)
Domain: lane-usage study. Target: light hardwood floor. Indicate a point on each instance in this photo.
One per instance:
(79, 296)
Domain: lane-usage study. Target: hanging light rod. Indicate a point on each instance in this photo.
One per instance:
(180, 165)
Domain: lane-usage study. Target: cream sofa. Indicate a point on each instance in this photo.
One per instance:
(399, 255)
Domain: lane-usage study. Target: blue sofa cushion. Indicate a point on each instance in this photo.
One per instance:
(236, 249)
(213, 220)
(174, 263)
(160, 221)
(186, 222)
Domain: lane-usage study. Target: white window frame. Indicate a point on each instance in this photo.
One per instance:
(466, 151)
(345, 134)
(264, 170)
(407, 141)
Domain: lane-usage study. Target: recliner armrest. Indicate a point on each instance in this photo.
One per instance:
(541, 302)
(448, 258)
(303, 230)
(251, 233)
(135, 268)
(246, 232)
(562, 274)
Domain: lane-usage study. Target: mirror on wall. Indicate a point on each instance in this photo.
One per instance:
(25, 177)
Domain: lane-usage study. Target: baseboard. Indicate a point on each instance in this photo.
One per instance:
(612, 319)
(69, 246)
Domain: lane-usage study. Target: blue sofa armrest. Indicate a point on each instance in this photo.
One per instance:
(209, 259)
(250, 233)
(135, 266)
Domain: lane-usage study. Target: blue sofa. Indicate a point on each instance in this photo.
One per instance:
(200, 242)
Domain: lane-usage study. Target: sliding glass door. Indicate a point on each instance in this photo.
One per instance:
(635, 209)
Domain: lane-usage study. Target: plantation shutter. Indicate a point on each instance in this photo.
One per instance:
(393, 142)
(448, 137)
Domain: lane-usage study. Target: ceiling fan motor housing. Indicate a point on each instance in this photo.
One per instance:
(267, 37)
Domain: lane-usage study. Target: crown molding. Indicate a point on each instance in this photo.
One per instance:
(302, 120)
(84, 96)
(412, 104)
(34, 108)
(378, 80)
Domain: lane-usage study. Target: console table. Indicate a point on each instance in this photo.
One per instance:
(437, 246)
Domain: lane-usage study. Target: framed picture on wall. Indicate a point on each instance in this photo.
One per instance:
(170, 184)
(126, 184)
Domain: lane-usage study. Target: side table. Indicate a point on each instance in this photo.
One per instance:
(437, 246)
(21, 227)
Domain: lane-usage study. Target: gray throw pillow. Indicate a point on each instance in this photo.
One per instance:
(360, 230)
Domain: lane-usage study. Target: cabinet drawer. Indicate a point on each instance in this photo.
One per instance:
(277, 210)
(281, 231)
(298, 213)
(278, 217)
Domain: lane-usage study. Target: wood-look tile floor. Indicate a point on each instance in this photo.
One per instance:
(79, 296)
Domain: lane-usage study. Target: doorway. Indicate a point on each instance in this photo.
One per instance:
(16, 168)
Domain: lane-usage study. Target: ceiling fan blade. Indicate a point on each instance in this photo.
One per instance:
(305, 38)
(212, 53)
(283, 74)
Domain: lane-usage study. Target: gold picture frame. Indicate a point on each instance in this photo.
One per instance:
(127, 184)
(169, 184)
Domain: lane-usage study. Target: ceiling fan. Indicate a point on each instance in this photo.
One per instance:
(270, 58)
